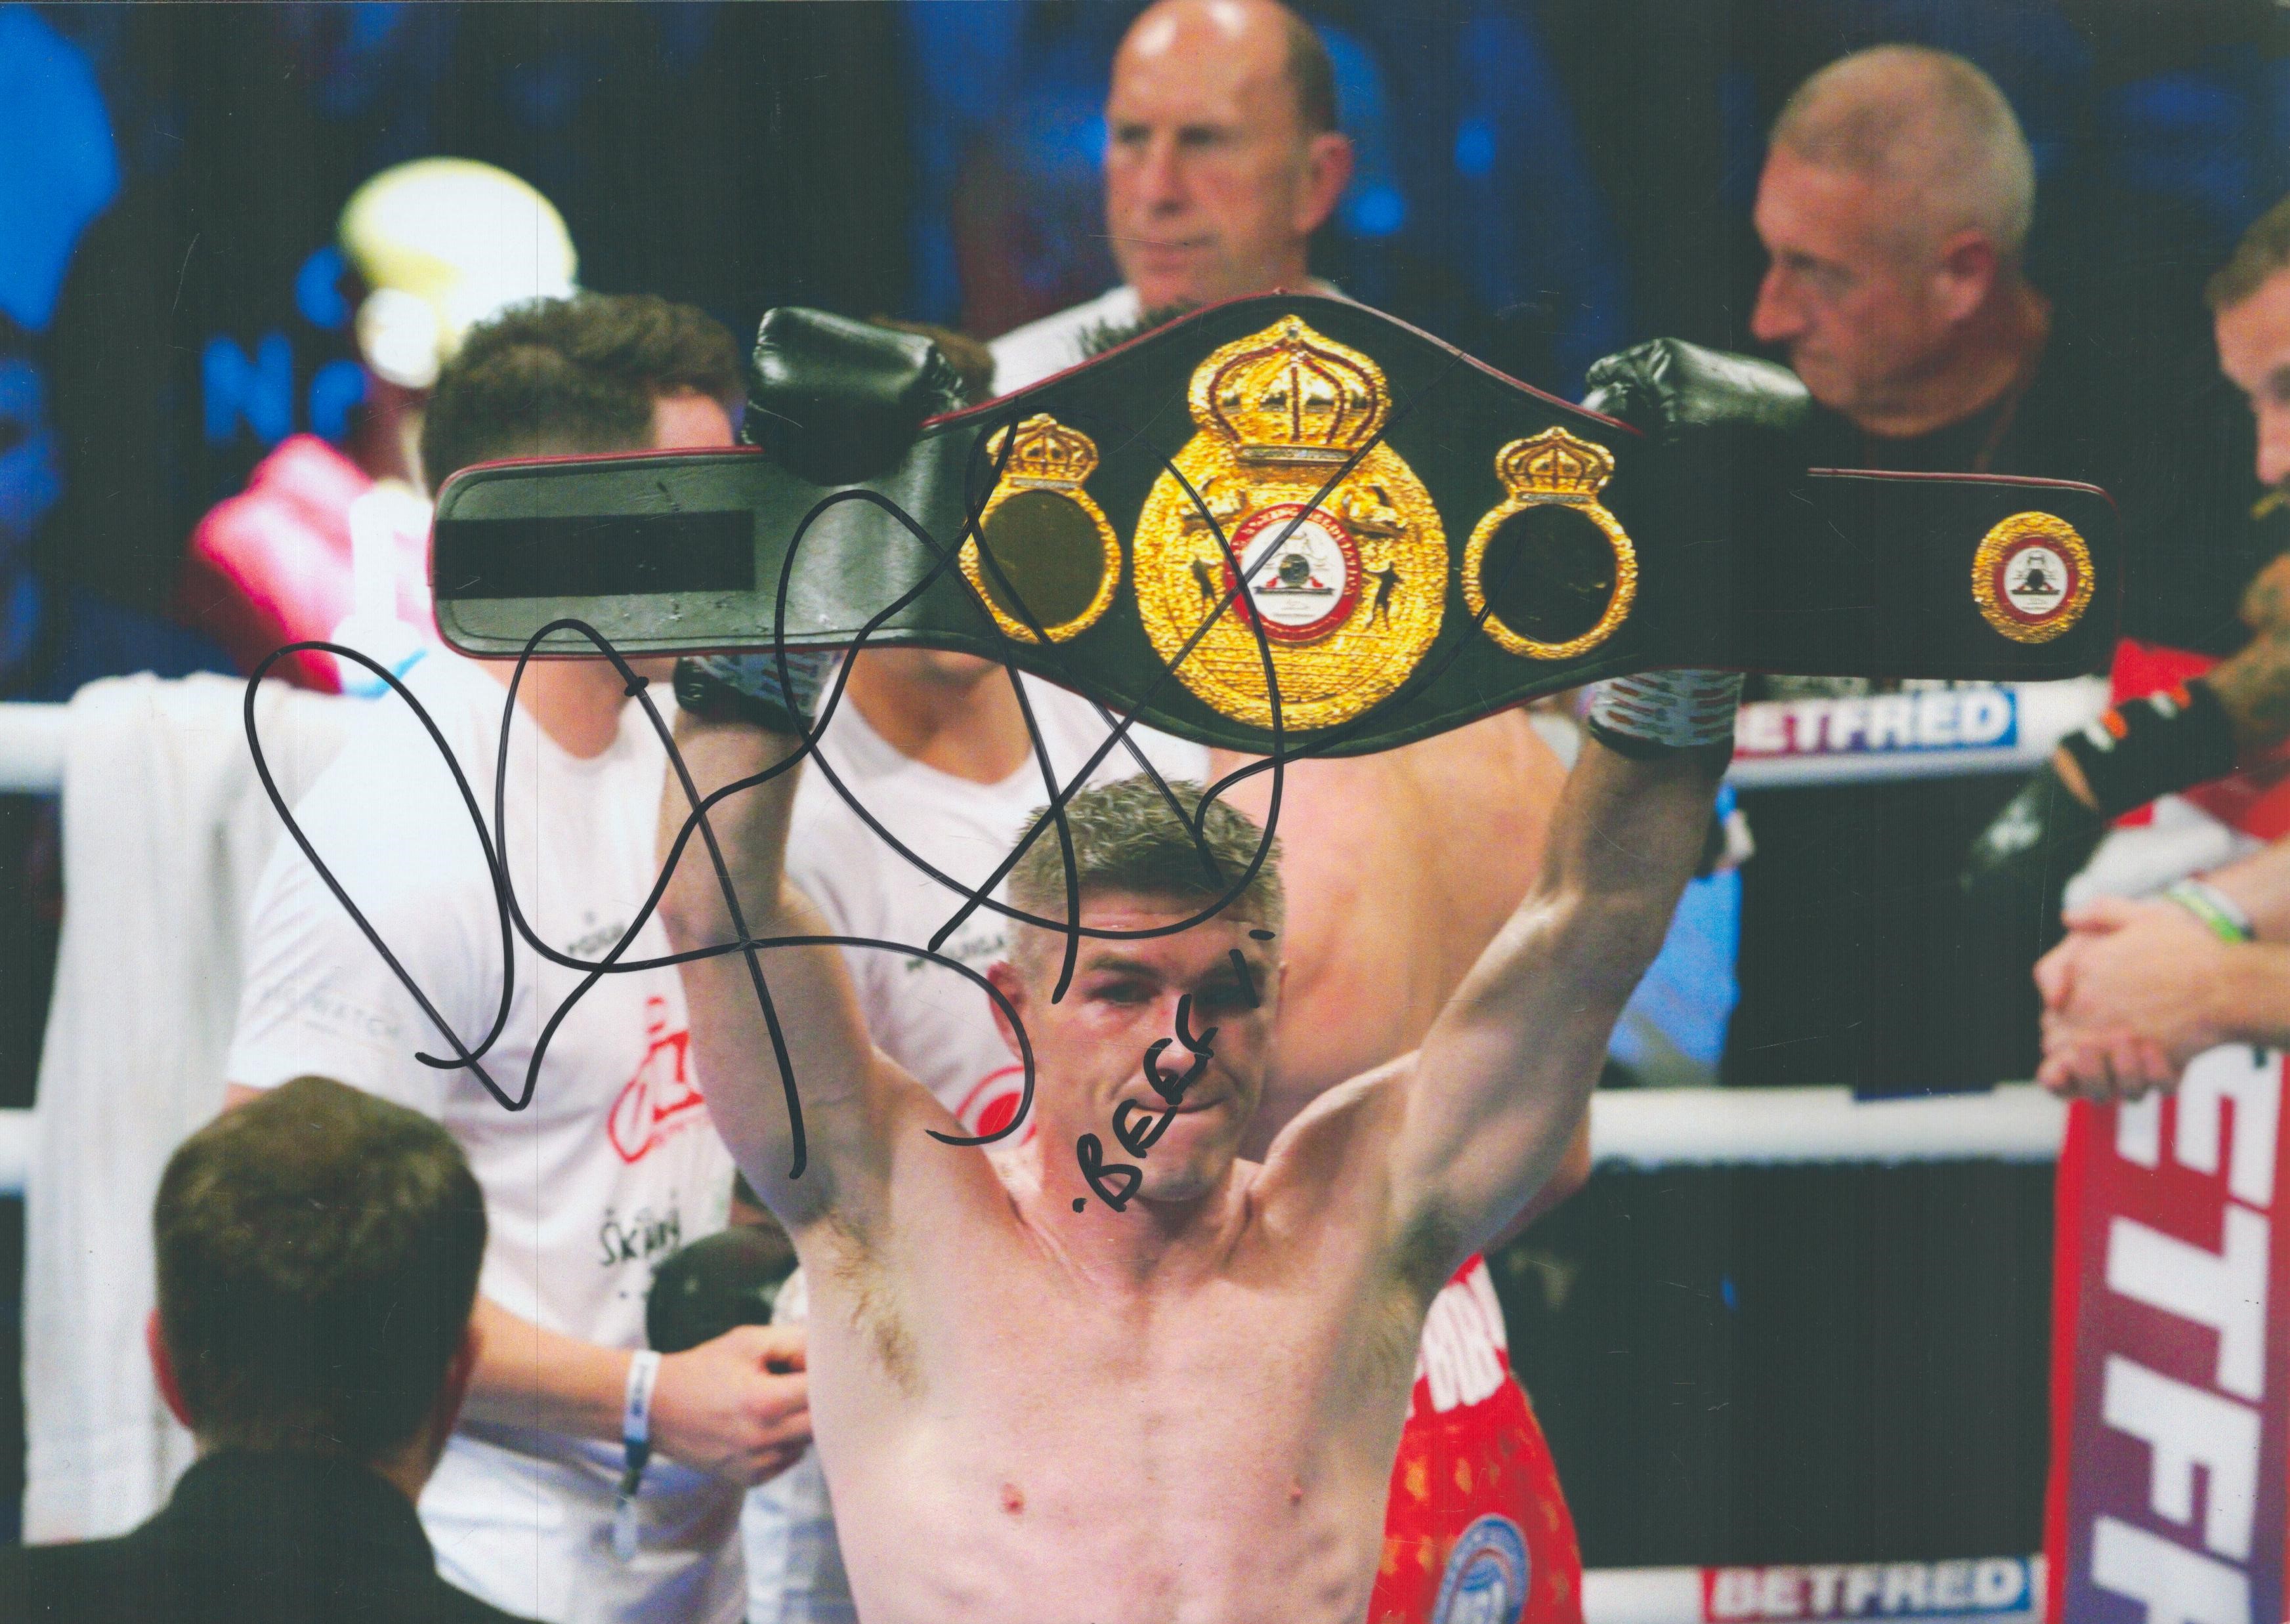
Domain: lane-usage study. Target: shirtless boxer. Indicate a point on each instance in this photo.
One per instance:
(1032, 1409)
(1401, 868)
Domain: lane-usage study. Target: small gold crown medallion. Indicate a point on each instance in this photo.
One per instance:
(1042, 529)
(1548, 573)
(1341, 588)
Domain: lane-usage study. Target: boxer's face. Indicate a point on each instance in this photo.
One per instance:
(1847, 297)
(1090, 1047)
(2253, 343)
(1213, 187)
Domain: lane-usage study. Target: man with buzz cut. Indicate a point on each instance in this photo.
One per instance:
(1895, 207)
(1174, 1385)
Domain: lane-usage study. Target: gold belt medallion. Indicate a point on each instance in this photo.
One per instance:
(2032, 577)
(1562, 569)
(1347, 592)
(1056, 560)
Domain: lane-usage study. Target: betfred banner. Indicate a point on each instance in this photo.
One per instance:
(2171, 1355)
(1988, 1589)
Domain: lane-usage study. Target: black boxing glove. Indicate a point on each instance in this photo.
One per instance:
(720, 1281)
(1668, 388)
(2154, 745)
(2022, 862)
(2139, 749)
(1725, 440)
(777, 690)
(836, 401)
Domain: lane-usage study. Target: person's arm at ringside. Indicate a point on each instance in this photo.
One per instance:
(846, 1091)
(2260, 885)
(737, 1407)
(2140, 988)
(1496, 1095)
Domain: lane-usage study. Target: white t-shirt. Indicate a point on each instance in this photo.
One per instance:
(934, 1022)
(612, 1166)
(1027, 355)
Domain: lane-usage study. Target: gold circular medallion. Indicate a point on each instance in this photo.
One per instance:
(2032, 577)
(1566, 573)
(1343, 590)
(1050, 556)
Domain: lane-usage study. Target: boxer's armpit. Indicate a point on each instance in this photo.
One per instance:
(1430, 1245)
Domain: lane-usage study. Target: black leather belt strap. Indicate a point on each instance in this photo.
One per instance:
(1422, 540)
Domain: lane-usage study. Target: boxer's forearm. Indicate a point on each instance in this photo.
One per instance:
(751, 830)
(1508, 1067)
(1626, 837)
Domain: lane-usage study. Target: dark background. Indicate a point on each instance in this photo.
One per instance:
(1732, 1366)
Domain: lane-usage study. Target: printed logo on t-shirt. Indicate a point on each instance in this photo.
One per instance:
(991, 1105)
(661, 1101)
(319, 1006)
(643, 1236)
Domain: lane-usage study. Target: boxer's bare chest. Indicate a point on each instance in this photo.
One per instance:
(1022, 1426)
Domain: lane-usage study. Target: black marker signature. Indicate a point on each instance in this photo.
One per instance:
(513, 923)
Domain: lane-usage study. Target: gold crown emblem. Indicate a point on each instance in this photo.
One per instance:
(1046, 452)
(1555, 464)
(1289, 395)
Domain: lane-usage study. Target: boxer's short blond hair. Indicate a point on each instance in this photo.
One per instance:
(1127, 838)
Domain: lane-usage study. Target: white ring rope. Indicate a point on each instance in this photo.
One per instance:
(31, 749)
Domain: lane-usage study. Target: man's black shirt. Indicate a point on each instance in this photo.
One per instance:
(251, 1539)
(1861, 963)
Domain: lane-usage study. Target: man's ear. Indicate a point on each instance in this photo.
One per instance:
(163, 1370)
(460, 1369)
(1968, 267)
(1327, 171)
(1012, 986)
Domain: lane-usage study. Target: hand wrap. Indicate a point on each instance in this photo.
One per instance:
(749, 688)
(1648, 712)
(2149, 746)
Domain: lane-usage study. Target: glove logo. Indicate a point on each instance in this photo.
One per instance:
(1347, 594)
(1551, 572)
(1049, 557)
(2032, 577)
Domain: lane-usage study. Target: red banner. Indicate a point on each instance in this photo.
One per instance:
(2171, 1355)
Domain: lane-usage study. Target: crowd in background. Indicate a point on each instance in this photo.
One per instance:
(1539, 183)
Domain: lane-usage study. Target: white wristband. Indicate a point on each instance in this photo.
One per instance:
(1678, 710)
(635, 1409)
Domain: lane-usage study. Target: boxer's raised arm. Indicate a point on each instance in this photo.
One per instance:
(1503, 1075)
(734, 735)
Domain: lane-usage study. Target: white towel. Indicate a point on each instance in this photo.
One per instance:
(165, 830)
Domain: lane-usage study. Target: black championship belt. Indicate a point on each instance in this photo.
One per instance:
(1423, 540)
